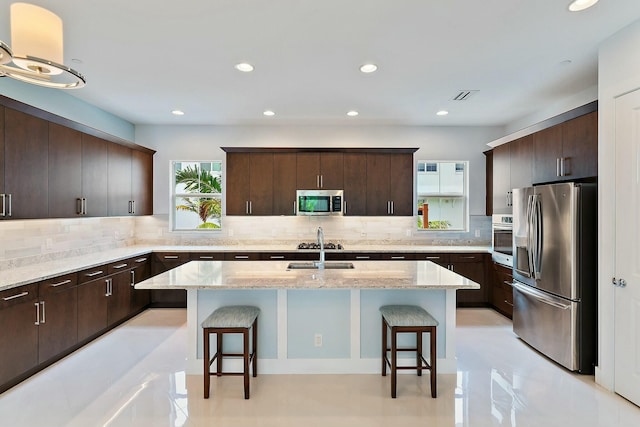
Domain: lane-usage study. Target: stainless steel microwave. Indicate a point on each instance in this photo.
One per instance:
(319, 202)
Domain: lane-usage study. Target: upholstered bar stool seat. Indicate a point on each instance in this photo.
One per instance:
(235, 319)
(408, 319)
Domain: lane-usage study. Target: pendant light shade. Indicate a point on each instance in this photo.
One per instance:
(5, 54)
(37, 51)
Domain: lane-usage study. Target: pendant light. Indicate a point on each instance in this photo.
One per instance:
(36, 55)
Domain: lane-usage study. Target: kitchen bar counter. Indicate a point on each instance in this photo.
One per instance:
(297, 306)
(26, 274)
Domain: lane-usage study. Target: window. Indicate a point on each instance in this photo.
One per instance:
(442, 195)
(197, 195)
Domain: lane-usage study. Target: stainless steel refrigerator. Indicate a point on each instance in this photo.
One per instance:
(555, 271)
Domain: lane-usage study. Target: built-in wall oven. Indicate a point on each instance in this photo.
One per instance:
(502, 239)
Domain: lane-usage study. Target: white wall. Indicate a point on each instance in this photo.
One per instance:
(619, 73)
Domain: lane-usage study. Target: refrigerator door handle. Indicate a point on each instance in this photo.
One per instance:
(537, 218)
(539, 296)
(531, 272)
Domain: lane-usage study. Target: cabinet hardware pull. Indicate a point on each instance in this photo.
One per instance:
(171, 257)
(393, 208)
(44, 318)
(276, 256)
(64, 282)
(432, 257)
(79, 206)
(133, 278)
(250, 208)
(133, 207)
(109, 288)
(506, 282)
(294, 207)
(23, 294)
(363, 257)
(508, 303)
(397, 257)
(317, 181)
(4, 207)
(468, 257)
(10, 206)
(321, 181)
(562, 172)
(205, 257)
(95, 273)
(558, 166)
(119, 266)
(241, 257)
(344, 207)
(37, 322)
(139, 260)
(84, 206)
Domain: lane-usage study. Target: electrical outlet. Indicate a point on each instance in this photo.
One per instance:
(477, 233)
(317, 340)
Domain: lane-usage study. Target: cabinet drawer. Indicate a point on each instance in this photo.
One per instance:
(19, 295)
(455, 258)
(137, 261)
(92, 273)
(171, 256)
(242, 256)
(118, 266)
(57, 284)
(397, 256)
(207, 256)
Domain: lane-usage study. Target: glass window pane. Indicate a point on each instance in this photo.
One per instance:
(197, 213)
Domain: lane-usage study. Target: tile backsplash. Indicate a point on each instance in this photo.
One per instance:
(26, 242)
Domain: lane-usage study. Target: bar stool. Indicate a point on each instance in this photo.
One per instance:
(236, 319)
(408, 319)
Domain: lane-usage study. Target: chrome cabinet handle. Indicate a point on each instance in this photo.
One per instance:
(344, 207)
(561, 166)
(10, 206)
(79, 206)
(4, 205)
(241, 257)
(95, 273)
(140, 260)
(37, 322)
(317, 181)
(23, 294)
(250, 208)
(558, 166)
(511, 304)
(133, 278)
(205, 257)
(171, 257)
(321, 181)
(276, 256)
(294, 207)
(119, 266)
(133, 207)
(433, 257)
(363, 257)
(64, 282)
(397, 257)
(84, 206)
(44, 317)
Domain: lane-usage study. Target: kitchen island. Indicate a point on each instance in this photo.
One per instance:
(316, 320)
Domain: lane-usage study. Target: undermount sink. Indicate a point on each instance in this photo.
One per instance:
(314, 265)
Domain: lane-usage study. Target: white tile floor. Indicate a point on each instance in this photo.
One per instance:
(134, 376)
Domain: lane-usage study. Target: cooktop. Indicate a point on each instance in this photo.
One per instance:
(316, 245)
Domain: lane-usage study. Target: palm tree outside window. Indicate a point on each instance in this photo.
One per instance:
(197, 195)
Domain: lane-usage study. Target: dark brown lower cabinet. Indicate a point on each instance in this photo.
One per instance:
(474, 267)
(119, 298)
(19, 332)
(58, 329)
(92, 308)
(140, 270)
(161, 262)
(501, 290)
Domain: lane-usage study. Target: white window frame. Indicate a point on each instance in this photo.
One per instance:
(174, 197)
(464, 196)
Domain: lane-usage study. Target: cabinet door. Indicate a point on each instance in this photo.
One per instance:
(473, 267)
(355, 183)
(547, 150)
(238, 183)
(332, 171)
(521, 167)
(438, 258)
(118, 180)
(119, 299)
(94, 175)
(19, 332)
(161, 262)
(92, 308)
(261, 184)
(308, 171)
(140, 271)
(401, 184)
(284, 183)
(501, 290)
(65, 171)
(580, 147)
(58, 330)
(26, 176)
(501, 178)
(378, 184)
(142, 182)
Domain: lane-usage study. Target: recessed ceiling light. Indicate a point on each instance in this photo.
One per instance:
(368, 68)
(442, 113)
(269, 113)
(177, 112)
(244, 67)
(578, 5)
(352, 113)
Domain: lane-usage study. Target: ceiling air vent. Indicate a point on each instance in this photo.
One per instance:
(464, 95)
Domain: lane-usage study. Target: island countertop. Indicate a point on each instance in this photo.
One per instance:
(275, 275)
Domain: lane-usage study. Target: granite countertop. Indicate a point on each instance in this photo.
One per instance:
(275, 275)
(11, 278)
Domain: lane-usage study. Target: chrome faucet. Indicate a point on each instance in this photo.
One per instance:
(320, 263)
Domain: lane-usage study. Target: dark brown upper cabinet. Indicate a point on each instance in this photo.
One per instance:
(567, 151)
(119, 180)
(65, 172)
(250, 184)
(512, 168)
(284, 183)
(94, 176)
(142, 182)
(355, 184)
(322, 170)
(3, 200)
(389, 184)
(26, 163)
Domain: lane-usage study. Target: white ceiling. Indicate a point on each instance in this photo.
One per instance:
(144, 58)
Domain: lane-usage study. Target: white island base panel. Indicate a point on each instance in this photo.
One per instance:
(347, 319)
